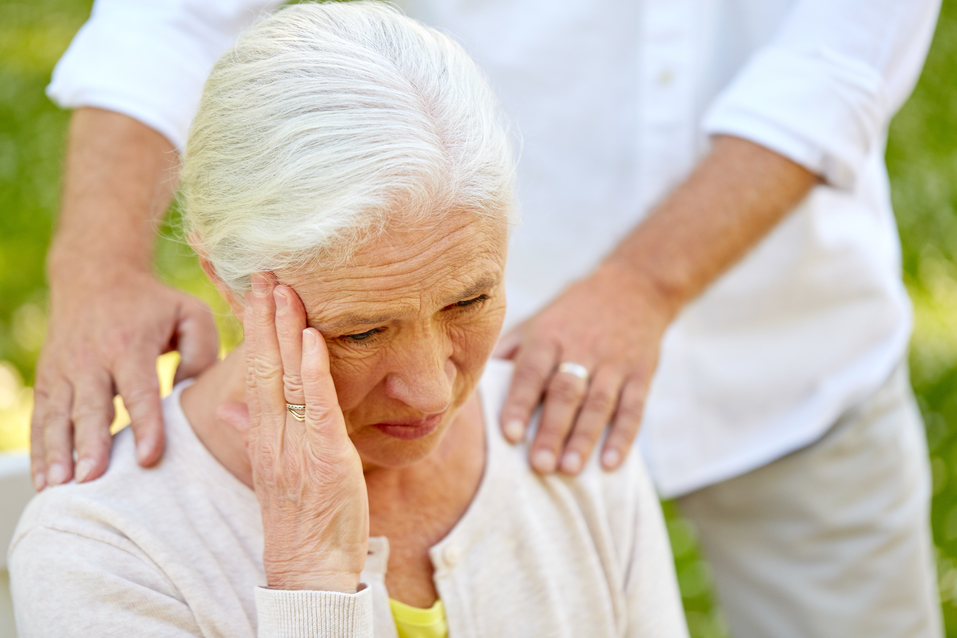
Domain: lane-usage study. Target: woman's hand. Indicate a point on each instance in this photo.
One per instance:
(307, 475)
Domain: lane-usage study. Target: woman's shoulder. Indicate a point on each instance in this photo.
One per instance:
(84, 508)
(141, 546)
(129, 502)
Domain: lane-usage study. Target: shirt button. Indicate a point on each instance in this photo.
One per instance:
(665, 77)
(451, 555)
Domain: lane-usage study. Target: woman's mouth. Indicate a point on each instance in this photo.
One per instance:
(410, 430)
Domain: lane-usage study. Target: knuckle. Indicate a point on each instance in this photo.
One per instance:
(86, 412)
(553, 428)
(58, 445)
(619, 439)
(266, 370)
(565, 392)
(530, 377)
(626, 424)
(92, 442)
(548, 439)
(118, 344)
(54, 415)
(140, 394)
(600, 400)
(292, 383)
(629, 416)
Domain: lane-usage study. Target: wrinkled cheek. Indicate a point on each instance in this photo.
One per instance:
(473, 347)
(353, 378)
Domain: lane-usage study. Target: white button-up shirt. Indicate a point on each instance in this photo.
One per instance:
(615, 102)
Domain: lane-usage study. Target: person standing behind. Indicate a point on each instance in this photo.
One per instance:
(702, 178)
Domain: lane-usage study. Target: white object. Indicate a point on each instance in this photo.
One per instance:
(615, 102)
(16, 490)
(176, 550)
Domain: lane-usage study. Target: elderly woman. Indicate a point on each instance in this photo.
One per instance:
(348, 184)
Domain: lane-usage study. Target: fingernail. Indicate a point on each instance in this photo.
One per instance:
(610, 459)
(572, 463)
(515, 430)
(143, 450)
(543, 461)
(58, 474)
(83, 469)
(259, 285)
(39, 481)
(281, 302)
(308, 341)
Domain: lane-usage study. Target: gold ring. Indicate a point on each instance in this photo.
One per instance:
(297, 410)
(575, 369)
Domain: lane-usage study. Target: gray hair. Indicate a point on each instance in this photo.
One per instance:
(326, 122)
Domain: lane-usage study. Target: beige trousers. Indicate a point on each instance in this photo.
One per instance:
(832, 540)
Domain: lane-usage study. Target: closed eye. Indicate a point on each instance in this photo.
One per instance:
(363, 336)
(465, 303)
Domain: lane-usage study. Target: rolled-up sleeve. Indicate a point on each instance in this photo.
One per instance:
(824, 89)
(149, 58)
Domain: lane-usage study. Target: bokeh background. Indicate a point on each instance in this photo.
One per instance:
(921, 156)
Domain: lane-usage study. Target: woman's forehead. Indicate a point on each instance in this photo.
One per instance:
(411, 266)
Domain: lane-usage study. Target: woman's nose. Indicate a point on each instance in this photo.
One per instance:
(424, 377)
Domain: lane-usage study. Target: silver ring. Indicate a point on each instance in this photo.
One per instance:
(575, 369)
(297, 410)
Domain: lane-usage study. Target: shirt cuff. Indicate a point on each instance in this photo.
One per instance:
(819, 108)
(314, 614)
(111, 65)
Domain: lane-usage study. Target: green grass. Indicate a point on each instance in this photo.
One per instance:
(921, 155)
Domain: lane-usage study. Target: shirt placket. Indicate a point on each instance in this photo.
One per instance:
(666, 120)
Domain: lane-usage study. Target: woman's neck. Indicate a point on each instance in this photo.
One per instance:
(220, 388)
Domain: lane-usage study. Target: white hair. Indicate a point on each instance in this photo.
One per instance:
(325, 123)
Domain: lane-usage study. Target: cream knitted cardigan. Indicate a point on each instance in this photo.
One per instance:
(177, 551)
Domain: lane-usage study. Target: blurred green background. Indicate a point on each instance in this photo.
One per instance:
(921, 155)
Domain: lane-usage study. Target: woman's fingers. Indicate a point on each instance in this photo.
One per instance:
(290, 322)
(323, 415)
(264, 384)
(266, 357)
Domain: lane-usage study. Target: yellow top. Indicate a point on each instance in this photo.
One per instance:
(415, 622)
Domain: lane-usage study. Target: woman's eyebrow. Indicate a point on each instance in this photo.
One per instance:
(485, 283)
(352, 320)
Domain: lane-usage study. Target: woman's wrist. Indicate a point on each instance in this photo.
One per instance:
(317, 569)
(341, 582)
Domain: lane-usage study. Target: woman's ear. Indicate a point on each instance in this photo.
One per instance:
(225, 291)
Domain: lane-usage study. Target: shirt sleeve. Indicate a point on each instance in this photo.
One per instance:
(149, 58)
(823, 90)
(314, 614)
(67, 585)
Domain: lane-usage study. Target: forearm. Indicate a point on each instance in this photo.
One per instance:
(119, 178)
(735, 197)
